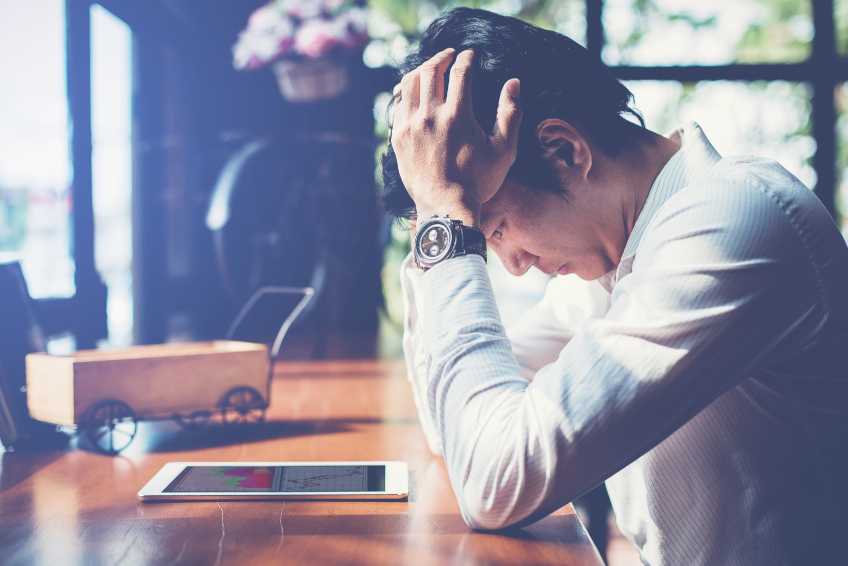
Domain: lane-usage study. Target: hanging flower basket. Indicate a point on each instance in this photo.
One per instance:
(310, 80)
(307, 44)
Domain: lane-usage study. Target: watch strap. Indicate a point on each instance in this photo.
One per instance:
(470, 240)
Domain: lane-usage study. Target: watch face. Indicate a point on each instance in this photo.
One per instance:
(434, 242)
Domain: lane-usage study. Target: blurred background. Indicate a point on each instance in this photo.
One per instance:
(160, 161)
(153, 170)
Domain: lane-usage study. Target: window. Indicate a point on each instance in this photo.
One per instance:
(111, 119)
(35, 164)
(768, 119)
(675, 32)
(46, 217)
(842, 156)
(735, 64)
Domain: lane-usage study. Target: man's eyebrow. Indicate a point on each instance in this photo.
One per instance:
(489, 225)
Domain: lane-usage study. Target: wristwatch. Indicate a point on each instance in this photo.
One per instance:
(441, 238)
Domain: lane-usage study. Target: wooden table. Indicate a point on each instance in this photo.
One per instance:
(73, 506)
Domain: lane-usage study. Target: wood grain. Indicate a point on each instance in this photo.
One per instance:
(78, 507)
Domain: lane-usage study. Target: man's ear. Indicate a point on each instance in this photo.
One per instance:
(561, 141)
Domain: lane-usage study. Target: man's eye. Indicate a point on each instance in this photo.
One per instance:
(497, 235)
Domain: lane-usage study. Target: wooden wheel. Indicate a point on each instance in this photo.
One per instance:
(110, 426)
(243, 405)
(195, 420)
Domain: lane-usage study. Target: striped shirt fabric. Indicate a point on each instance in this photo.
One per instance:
(703, 379)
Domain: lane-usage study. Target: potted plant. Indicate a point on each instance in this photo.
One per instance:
(307, 43)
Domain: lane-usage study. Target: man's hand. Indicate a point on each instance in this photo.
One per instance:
(448, 164)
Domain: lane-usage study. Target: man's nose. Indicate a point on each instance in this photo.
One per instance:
(519, 262)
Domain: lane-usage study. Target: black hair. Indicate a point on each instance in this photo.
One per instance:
(559, 79)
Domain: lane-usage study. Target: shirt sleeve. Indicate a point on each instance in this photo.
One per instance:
(537, 338)
(416, 356)
(719, 283)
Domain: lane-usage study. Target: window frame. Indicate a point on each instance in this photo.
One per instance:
(824, 70)
(84, 313)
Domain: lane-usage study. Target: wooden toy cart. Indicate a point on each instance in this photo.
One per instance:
(105, 393)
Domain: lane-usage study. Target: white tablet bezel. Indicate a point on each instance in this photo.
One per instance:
(397, 483)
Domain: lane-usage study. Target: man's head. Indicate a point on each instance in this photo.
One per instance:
(573, 112)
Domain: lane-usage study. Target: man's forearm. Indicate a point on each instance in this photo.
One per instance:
(477, 401)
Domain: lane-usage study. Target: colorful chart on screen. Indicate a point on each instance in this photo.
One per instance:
(286, 479)
(324, 478)
(224, 479)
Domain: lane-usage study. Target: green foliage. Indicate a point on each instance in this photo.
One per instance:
(842, 154)
(772, 39)
(412, 17)
(13, 216)
(770, 30)
(841, 18)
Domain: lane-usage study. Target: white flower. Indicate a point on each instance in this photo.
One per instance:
(269, 34)
(316, 38)
(264, 18)
(304, 9)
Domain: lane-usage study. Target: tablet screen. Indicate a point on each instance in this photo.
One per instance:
(279, 479)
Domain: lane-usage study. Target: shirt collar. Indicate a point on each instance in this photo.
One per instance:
(696, 155)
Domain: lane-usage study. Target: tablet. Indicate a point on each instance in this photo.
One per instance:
(213, 481)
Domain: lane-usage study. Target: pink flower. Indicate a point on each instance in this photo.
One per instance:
(316, 38)
(286, 45)
(269, 35)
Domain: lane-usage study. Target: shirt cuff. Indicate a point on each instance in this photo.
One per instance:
(448, 279)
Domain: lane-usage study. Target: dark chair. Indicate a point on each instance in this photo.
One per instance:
(21, 335)
(295, 212)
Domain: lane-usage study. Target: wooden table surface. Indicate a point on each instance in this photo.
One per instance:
(73, 506)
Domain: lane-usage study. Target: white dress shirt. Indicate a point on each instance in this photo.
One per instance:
(703, 379)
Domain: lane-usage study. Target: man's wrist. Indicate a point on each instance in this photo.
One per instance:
(466, 214)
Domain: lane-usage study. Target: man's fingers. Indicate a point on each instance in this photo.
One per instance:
(408, 94)
(508, 119)
(459, 87)
(405, 94)
(394, 105)
(432, 77)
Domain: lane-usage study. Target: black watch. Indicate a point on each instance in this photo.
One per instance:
(438, 239)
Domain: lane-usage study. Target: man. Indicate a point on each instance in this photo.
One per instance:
(698, 370)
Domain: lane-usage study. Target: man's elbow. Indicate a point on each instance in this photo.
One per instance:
(481, 519)
(488, 509)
